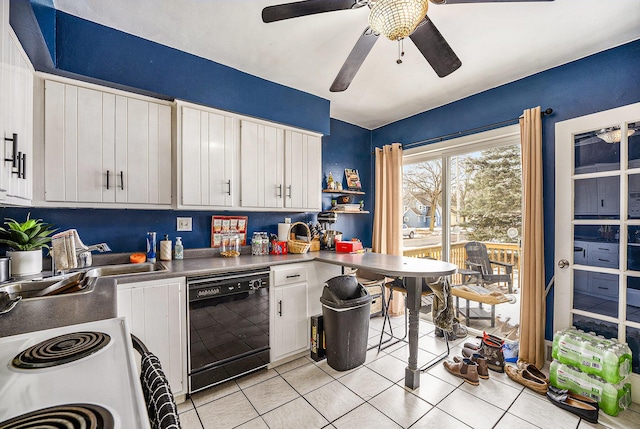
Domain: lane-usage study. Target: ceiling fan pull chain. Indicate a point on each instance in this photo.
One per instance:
(400, 51)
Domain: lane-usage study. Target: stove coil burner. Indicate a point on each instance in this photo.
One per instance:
(85, 416)
(60, 350)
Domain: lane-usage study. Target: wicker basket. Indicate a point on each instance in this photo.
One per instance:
(299, 246)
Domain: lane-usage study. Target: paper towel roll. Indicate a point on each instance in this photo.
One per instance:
(165, 250)
(283, 231)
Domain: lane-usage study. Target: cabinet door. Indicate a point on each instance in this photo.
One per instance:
(208, 147)
(586, 197)
(261, 165)
(143, 151)
(609, 195)
(303, 160)
(156, 313)
(291, 332)
(18, 119)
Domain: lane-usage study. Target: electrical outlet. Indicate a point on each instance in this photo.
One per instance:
(184, 224)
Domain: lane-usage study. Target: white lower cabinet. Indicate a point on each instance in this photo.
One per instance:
(156, 313)
(295, 297)
(289, 332)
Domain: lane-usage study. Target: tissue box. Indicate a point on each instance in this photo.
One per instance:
(348, 246)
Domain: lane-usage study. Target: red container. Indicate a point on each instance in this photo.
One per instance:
(279, 248)
(348, 246)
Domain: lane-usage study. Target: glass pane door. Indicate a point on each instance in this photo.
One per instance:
(597, 284)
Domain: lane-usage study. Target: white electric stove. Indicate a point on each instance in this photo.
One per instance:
(79, 373)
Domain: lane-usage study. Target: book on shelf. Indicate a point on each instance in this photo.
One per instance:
(348, 207)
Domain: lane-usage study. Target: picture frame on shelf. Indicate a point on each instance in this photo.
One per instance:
(353, 179)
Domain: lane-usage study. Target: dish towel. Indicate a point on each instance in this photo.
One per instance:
(65, 247)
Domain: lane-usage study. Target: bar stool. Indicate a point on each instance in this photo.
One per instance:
(398, 285)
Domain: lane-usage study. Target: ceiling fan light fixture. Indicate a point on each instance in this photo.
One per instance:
(613, 135)
(397, 19)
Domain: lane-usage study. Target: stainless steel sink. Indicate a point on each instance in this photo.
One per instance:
(125, 269)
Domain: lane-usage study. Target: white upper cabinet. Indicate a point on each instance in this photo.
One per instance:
(208, 172)
(261, 165)
(16, 117)
(303, 171)
(280, 168)
(103, 146)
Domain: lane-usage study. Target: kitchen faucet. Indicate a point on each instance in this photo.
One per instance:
(84, 255)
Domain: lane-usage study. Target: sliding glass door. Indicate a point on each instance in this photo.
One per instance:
(463, 204)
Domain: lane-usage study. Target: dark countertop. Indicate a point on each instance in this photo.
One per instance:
(200, 262)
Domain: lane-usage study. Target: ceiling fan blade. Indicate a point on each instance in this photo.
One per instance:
(304, 8)
(482, 1)
(354, 60)
(435, 49)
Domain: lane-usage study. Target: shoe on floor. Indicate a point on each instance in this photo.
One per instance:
(533, 370)
(492, 353)
(483, 369)
(581, 409)
(525, 378)
(465, 369)
(558, 391)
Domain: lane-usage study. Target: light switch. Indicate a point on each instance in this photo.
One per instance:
(184, 224)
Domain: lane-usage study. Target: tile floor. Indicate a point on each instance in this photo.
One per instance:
(307, 394)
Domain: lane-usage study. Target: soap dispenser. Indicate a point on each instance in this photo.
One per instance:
(179, 249)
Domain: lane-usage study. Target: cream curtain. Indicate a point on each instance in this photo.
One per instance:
(388, 208)
(532, 299)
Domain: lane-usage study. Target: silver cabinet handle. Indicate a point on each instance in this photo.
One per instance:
(280, 191)
(289, 189)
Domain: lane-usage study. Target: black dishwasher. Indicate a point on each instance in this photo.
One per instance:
(228, 326)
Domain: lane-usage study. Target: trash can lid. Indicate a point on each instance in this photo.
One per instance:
(344, 287)
(330, 299)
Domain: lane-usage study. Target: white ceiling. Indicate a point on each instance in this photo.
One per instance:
(497, 43)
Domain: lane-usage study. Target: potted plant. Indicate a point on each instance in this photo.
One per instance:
(26, 241)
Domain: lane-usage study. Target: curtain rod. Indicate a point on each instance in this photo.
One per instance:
(444, 137)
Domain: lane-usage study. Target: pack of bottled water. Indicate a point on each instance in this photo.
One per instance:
(612, 397)
(593, 366)
(593, 354)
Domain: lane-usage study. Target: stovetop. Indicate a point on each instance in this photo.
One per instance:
(99, 373)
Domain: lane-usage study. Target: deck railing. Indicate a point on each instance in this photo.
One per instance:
(500, 252)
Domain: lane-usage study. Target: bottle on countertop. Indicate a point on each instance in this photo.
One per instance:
(165, 249)
(179, 249)
(151, 246)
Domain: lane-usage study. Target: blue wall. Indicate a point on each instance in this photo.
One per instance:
(349, 146)
(599, 82)
(125, 230)
(92, 52)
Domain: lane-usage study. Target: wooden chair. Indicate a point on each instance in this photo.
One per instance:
(478, 260)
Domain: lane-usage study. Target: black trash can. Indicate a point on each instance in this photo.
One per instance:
(345, 311)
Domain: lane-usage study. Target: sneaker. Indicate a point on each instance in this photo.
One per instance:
(466, 369)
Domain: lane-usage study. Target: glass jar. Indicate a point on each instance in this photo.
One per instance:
(230, 246)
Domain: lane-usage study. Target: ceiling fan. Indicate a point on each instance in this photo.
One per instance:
(395, 19)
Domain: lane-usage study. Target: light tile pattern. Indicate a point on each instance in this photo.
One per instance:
(307, 394)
